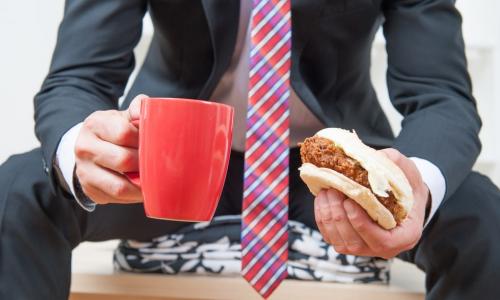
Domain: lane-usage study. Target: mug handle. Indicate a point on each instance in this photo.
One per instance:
(134, 177)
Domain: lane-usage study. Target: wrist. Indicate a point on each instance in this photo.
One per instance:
(435, 186)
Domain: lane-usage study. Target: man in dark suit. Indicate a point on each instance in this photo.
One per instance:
(51, 198)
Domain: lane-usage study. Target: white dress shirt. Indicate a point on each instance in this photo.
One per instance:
(233, 90)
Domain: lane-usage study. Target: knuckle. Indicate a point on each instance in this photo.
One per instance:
(342, 249)
(123, 159)
(89, 193)
(118, 189)
(379, 248)
(398, 159)
(123, 134)
(326, 220)
(361, 227)
(92, 120)
(355, 247)
(388, 255)
(410, 245)
(338, 218)
(393, 155)
(89, 122)
(395, 152)
(392, 251)
(81, 149)
(414, 236)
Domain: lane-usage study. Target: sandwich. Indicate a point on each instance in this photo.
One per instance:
(335, 158)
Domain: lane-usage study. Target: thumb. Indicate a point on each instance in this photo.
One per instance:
(134, 110)
(404, 163)
(412, 174)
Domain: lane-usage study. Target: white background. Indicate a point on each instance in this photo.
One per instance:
(27, 35)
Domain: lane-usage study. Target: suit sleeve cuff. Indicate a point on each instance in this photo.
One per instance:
(434, 179)
(65, 161)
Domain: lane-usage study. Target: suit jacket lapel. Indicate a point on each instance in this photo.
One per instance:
(222, 17)
(304, 14)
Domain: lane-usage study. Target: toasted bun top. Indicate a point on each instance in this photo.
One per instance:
(383, 174)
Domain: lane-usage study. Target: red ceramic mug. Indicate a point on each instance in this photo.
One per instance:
(184, 148)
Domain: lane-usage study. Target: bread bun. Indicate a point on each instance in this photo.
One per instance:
(384, 177)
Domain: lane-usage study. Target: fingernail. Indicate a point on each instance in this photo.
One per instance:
(349, 208)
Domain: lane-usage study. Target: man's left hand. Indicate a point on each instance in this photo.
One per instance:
(346, 226)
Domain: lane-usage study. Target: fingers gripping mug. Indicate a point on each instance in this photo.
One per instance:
(184, 148)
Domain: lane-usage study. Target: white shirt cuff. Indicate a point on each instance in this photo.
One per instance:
(65, 159)
(434, 179)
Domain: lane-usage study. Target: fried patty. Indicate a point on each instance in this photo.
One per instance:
(323, 153)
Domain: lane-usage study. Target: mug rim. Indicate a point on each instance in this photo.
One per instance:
(189, 100)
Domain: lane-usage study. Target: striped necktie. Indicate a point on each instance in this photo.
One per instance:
(264, 236)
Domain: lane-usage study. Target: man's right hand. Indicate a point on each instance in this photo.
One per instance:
(106, 148)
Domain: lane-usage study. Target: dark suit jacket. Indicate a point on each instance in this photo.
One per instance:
(331, 41)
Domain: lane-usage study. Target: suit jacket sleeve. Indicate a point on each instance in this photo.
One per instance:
(91, 63)
(429, 84)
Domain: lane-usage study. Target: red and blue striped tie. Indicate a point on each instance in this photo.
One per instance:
(264, 236)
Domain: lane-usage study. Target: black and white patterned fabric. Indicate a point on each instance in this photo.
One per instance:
(214, 249)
